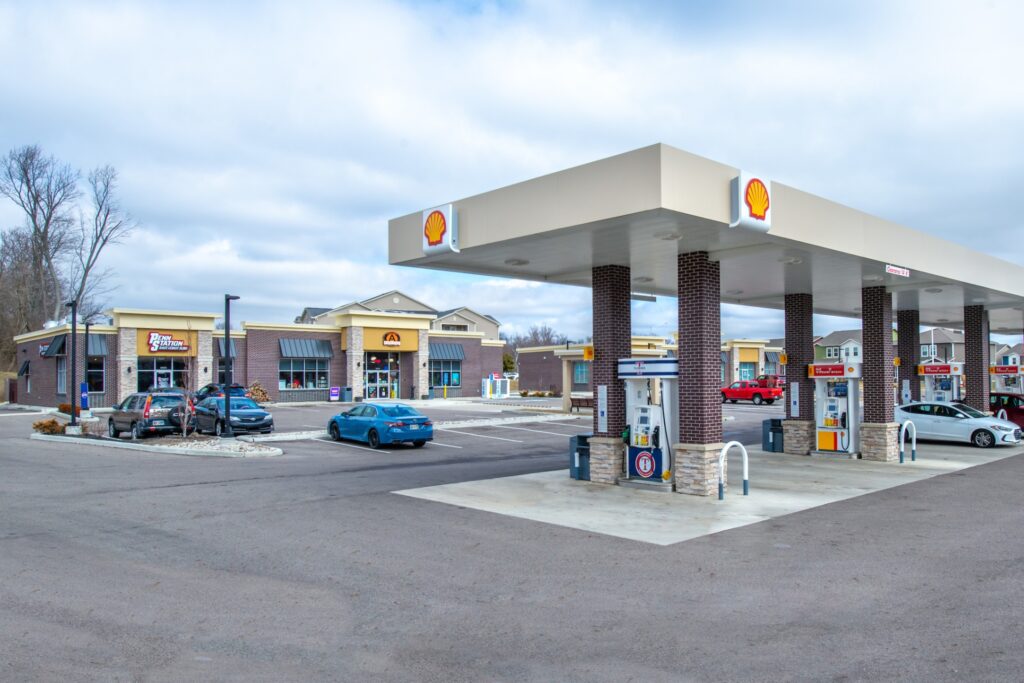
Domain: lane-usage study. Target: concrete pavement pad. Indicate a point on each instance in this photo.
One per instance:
(779, 485)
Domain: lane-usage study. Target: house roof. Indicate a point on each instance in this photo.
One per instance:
(441, 314)
(839, 337)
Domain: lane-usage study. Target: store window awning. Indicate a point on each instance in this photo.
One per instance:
(97, 344)
(56, 347)
(234, 353)
(441, 351)
(306, 348)
(771, 357)
(24, 369)
(724, 357)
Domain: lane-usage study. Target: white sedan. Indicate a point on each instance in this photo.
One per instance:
(944, 421)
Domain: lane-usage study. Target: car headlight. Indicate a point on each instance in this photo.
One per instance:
(234, 419)
(1002, 428)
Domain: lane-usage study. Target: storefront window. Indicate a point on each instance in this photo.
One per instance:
(446, 373)
(94, 375)
(62, 374)
(303, 373)
(158, 372)
(580, 372)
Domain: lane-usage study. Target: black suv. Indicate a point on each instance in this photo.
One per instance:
(217, 391)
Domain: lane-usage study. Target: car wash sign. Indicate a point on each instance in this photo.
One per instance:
(751, 198)
(440, 230)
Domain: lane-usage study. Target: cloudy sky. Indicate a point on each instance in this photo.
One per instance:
(263, 146)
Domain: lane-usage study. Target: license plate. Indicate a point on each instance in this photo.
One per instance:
(158, 423)
(414, 426)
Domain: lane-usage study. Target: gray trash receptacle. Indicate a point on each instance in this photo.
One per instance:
(579, 457)
(771, 435)
(346, 394)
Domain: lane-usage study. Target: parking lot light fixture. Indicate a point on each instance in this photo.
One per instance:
(227, 432)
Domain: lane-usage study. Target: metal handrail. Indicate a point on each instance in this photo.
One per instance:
(721, 469)
(913, 437)
(1001, 415)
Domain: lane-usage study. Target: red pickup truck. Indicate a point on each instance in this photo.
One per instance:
(750, 390)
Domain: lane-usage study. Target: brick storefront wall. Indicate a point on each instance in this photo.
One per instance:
(876, 316)
(263, 354)
(612, 341)
(540, 371)
(800, 351)
(700, 326)
(908, 331)
(240, 368)
(976, 357)
(480, 361)
(44, 373)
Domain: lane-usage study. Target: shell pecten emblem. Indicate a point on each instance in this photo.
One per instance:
(434, 228)
(755, 196)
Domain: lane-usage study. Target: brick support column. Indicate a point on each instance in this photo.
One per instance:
(700, 403)
(612, 340)
(421, 359)
(908, 348)
(798, 430)
(205, 369)
(976, 357)
(127, 362)
(879, 431)
(354, 361)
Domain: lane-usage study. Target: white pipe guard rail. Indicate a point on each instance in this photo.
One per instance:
(913, 436)
(721, 469)
(1001, 415)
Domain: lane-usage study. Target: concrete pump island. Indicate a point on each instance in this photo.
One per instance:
(658, 221)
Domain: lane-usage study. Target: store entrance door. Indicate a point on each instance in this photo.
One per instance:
(382, 375)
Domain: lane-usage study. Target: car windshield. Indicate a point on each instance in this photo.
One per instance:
(399, 411)
(971, 412)
(240, 403)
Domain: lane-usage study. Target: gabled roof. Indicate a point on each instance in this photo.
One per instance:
(839, 337)
(450, 311)
(365, 302)
(942, 335)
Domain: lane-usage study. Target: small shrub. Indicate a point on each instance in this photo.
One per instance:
(51, 426)
(524, 393)
(258, 393)
(66, 409)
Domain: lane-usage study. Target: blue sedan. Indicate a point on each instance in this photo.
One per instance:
(382, 423)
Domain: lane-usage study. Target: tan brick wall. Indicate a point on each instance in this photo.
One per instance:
(880, 441)
(798, 436)
(607, 455)
(696, 468)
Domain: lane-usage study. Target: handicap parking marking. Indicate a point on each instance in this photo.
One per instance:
(535, 431)
(482, 436)
(350, 445)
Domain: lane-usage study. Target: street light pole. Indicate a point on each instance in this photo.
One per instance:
(73, 389)
(227, 432)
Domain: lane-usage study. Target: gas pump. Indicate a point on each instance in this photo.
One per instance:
(836, 406)
(652, 409)
(941, 380)
(1006, 378)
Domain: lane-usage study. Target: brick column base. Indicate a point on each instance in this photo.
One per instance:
(696, 468)
(879, 441)
(798, 437)
(607, 456)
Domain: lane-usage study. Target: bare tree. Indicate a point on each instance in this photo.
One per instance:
(45, 189)
(107, 223)
(538, 335)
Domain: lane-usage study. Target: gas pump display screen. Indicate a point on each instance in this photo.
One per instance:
(838, 389)
(642, 420)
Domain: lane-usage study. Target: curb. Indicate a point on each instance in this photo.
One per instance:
(172, 450)
(283, 436)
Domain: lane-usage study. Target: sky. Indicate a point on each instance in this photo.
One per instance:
(263, 146)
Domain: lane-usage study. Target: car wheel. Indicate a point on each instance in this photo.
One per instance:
(333, 430)
(218, 428)
(724, 399)
(757, 399)
(419, 444)
(112, 431)
(373, 439)
(136, 431)
(983, 439)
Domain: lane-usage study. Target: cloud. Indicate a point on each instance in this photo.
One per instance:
(263, 147)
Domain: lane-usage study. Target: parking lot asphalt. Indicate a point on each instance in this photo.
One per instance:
(127, 566)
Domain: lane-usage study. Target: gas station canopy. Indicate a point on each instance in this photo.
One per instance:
(640, 209)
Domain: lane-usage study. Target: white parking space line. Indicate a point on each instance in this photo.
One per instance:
(535, 431)
(350, 445)
(482, 436)
(446, 445)
(312, 426)
(21, 414)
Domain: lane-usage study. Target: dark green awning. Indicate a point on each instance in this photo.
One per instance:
(97, 344)
(306, 348)
(220, 346)
(442, 351)
(771, 357)
(24, 369)
(56, 347)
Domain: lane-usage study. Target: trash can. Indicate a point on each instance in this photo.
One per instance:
(430, 393)
(771, 435)
(346, 394)
(579, 457)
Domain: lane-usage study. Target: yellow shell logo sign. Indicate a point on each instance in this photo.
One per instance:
(434, 228)
(756, 198)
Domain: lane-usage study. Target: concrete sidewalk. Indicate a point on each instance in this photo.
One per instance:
(779, 485)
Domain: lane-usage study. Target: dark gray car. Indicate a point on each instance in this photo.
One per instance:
(146, 413)
(246, 416)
